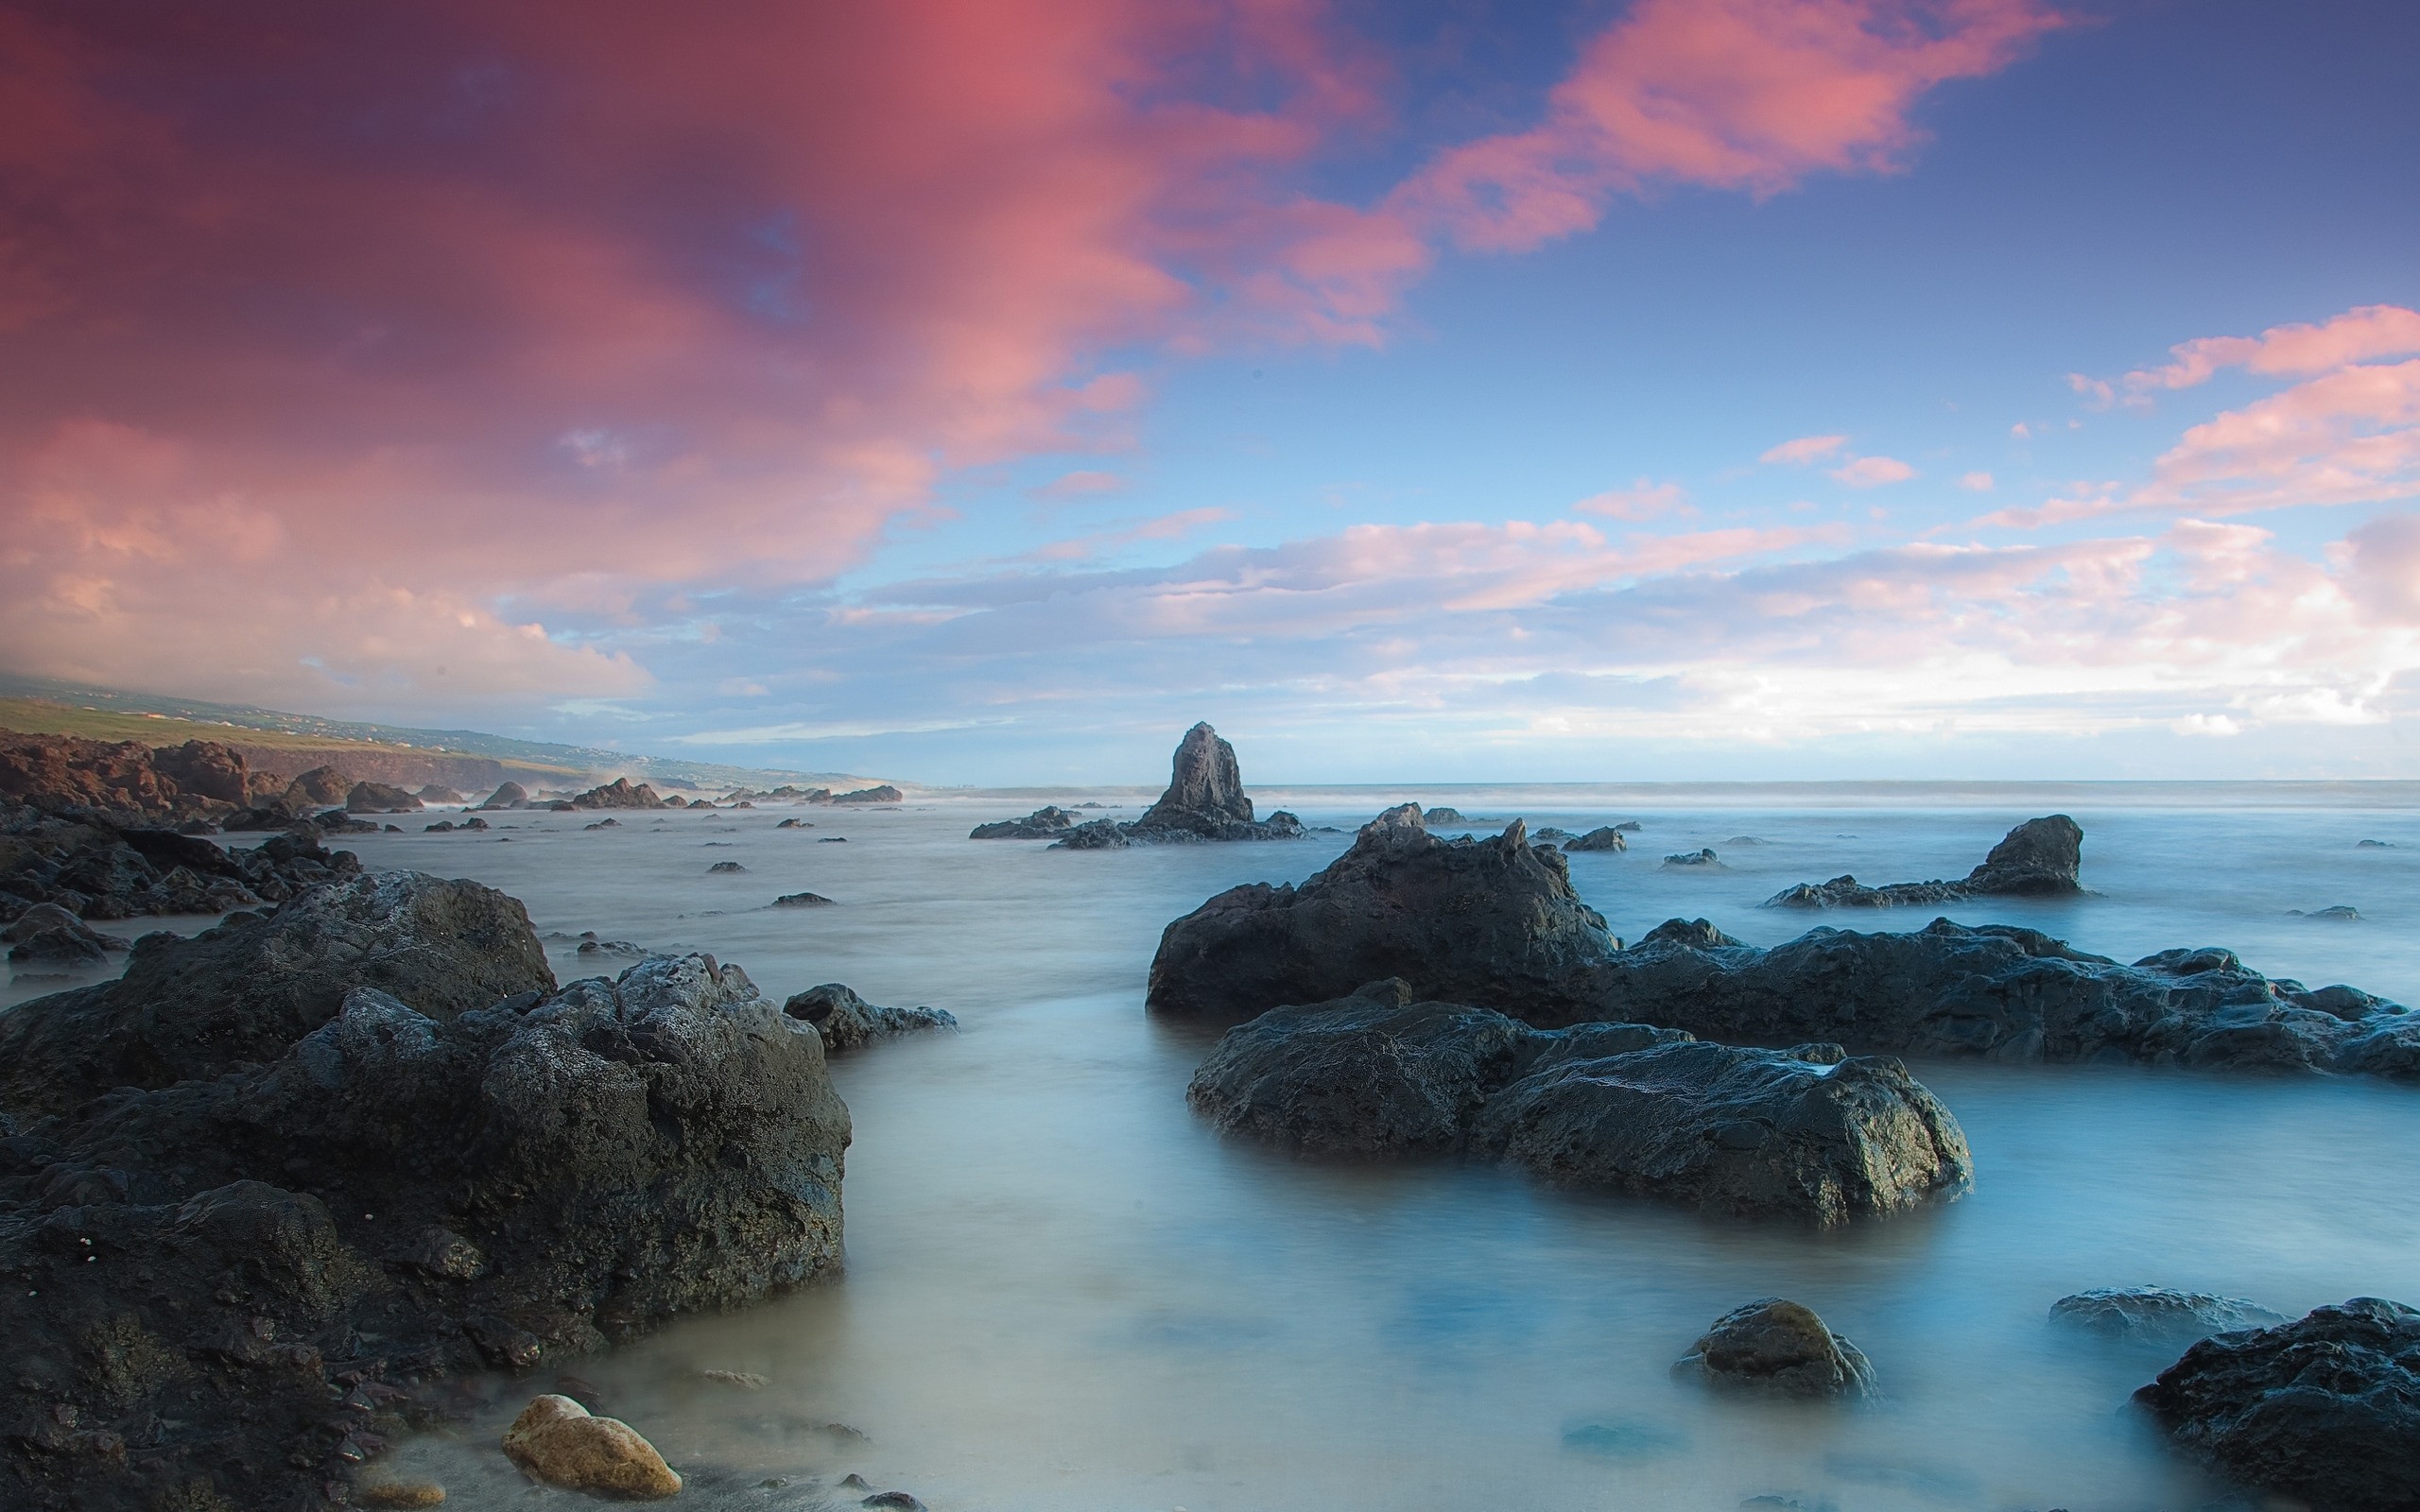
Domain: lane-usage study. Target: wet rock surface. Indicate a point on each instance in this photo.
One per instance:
(1496, 923)
(2159, 1314)
(1604, 838)
(108, 866)
(1490, 921)
(557, 1440)
(618, 793)
(847, 1022)
(1204, 800)
(1778, 1346)
(1046, 823)
(2326, 1409)
(1612, 1107)
(2040, 857)
(242, 1285)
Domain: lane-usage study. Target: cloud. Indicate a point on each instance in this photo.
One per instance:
(1643, 500)
(1083, 483)
(1805, 450)
(2359, 334)
(1741, 94)
(1872, 471)
(1976, 482)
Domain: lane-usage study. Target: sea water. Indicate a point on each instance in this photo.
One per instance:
(1062, 1291)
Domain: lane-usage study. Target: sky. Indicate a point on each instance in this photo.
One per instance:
(1443, 390)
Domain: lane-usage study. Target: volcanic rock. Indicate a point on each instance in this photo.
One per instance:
(1695, 858)
(1444, 814)
(2156, 1313)
(508, 796)
(1611, 1106)
(618, 793)
(802, 900)
(1779, 1346)
(1046, 823)
(317, 788)
(1604, 838)
(726, 867)
(378, 798)
(556, 1440)
(881, 793)
(847, 1022)
(1205, 801)
(2040, 857)
(2326, 1409)
(438, 793)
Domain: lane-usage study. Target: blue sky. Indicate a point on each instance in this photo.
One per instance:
(1712, 437)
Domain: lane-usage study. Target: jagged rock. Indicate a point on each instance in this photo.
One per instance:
(1046, 823)
(618, 793)
(1490, 921)
(2156, 1313)
(1605, 837)
(378, 798)
(508, 796)
(794, 824)
(592, 943)
(1551, 834)
(2326, 1409)
(1616, 1107)
(881, 793)
(201, 778)
(2039, 857)
(802, 900)
(396, 1198)
(317, 788)
(847, 1022)
(726, 867)
(1695, 858)
(2340, 914)
(1495, 923)
(94, 866)
(244, 991)
(558, 1441)
(1205, 801)
(1780, 1347)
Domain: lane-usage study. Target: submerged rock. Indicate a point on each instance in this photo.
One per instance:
(726, 867)
(1604, 838)
(1491, 921)
(1780, 1347)
(847, 1022)
(2039, 857)
(1046, 823)
(508, 796)
(802, 900)
(2157, 1313)
(1695, 858)
(1204, 800)
(2326, 1409)
(558, 1441)
(1612, 1107)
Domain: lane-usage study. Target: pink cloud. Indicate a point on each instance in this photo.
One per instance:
(1872, 471)
(1976, 482)
(1081, 483)
(1746, 94)
(1643, 500)
(2360, 335)
(1804, 449)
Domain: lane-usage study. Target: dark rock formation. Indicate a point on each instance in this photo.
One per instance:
(2326, 1409)
(794, 824)
(2374, 845)
(85, 863)
(51, 935)
(244, 991)
(199, 779)
(2158, 1315)
(230, 1293)
(438, 793)
(377, 797)
(802, 900)
(1444, 814)
(1779, 1346)
(508, 796)
(1046, 823)
(1490, 921)
(1695, 858)
(2339, 914)
(316, 789)
(1605, 837)
(2040, 857)
(1614, 1106)
(1494, 922)
(1205, 801)
(847, 1022)
(618, 793)
(726, 867)
(882, 793)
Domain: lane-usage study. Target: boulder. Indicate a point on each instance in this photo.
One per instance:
(1604, 838)
(1046, 823)
(558, 1441)
(205, 770)
(1495, 923)
(2324, 1409)
(1443, 814)
(846, 1021)
(1778, 1346)
(802, 900)
(880, 793)
(803, 824)
(1704, 858)
(94, 866)
(725, 867)
(315, 789)
(438, 793)
(1489, 921)
(618, 793)
(252, 1272)
(1205, 801)
(2040, 857)
(199, 779)
(1611, 1106)
(508, 796)
(242, 993)
(2158, 1315)
(378, 798)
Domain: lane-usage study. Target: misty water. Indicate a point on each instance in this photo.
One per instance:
(1063, 1291)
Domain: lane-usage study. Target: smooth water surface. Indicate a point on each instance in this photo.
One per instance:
(1064, 1292)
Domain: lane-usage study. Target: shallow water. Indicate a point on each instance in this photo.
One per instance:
(1064, 1292)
